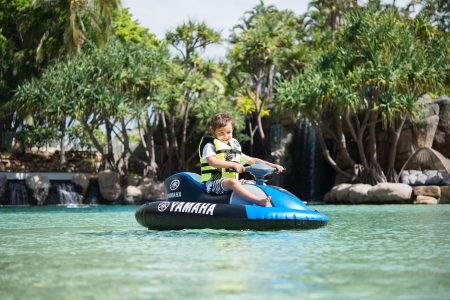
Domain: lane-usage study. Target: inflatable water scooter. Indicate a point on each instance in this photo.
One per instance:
(188, 205)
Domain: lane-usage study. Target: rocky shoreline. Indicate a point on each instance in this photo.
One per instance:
(112, 190)
(387, 193)
(137, 190)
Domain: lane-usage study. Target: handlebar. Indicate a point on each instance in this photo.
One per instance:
(259, 171)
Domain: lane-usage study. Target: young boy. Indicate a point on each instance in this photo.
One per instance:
(221, 160)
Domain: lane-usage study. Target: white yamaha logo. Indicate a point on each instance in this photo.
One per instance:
(174, 184)
(163, 206)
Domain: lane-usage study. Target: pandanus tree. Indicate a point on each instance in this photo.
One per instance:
(194, 80)
(265, 45)
(207, 88)
(101, 89)
(436, 11)
(368, 81)
(46, 100)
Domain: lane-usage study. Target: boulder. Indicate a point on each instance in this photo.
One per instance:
(341, 189)
(39, 186)
(342, 192)
(426, 200)
(412, 178)
(445, 195)
(134, 180)
(327, 198)
(3, 187)
(81, 183)
(421, 179)
(389, 193)
(425, 129)
(109, 184)
(441, 140)
(428, 191)
(434, 178)
(133, 195)
(430, 173)
(405, 146)
(152, 190)
(358, 193)
(404, 177)
(415, 172)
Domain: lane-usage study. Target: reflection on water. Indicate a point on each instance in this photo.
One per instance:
(100, 252)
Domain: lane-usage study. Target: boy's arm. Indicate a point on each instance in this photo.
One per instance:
(219, 164)
(261, 161)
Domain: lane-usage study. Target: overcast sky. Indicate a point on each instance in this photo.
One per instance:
(160, 16)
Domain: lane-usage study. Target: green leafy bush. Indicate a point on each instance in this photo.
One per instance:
(38, 136)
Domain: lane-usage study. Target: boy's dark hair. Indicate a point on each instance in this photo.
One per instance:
(220, 120)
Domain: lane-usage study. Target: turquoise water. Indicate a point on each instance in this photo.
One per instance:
(365, 252)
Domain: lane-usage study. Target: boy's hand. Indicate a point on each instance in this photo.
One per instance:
(239, 168)
(279, 168)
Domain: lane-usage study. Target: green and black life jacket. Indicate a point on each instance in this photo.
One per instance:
(227, 152)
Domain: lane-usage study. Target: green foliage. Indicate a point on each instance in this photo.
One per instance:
(380, 61)
(128, 30)
(39, 136)
(323, 19)
(267, 36)
(69, 24)
(267, 44)
(80, 140)
(16, 55)
(190, 37)
(86, 165)
(375, 69)
(103, 90)
(437, 12)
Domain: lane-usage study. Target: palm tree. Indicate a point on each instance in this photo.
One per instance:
(74, 23)
(327, 16)
(265, 43)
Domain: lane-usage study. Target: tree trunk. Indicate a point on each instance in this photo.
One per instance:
(358, 137)
(172, 150)
(391, 172)
(252, 134)
(259, 104)
(152, 169)
(326, 153)
(342, 144)
(374, 174)
(109, 148)
(164, 132)
(62, 144)
(98, 147)
(182, 155)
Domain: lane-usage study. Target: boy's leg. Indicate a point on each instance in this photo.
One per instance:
(215, 187)
(234, 185)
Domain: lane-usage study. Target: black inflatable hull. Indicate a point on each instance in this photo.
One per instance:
(168, 215)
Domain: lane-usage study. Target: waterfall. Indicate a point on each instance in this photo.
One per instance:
(17, 193)
(66, 194)
(308, 159)
(93, 195)
(62, 192)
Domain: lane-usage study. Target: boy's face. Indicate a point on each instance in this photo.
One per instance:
(224, 134)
